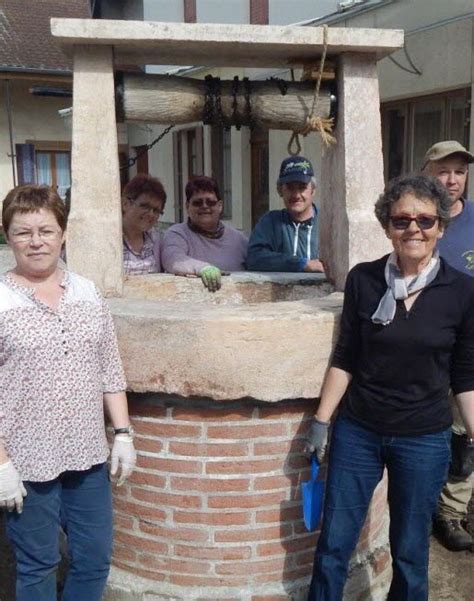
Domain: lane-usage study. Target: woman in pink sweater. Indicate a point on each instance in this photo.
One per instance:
(203, 246)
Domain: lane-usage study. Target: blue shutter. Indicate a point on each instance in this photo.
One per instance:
(25, 163)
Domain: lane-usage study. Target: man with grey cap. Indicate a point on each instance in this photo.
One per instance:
(287, 239)
(448, 161)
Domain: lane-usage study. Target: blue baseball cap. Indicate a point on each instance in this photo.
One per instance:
(295, 169)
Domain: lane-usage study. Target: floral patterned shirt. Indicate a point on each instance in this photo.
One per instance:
(145, 261)
(55, 366)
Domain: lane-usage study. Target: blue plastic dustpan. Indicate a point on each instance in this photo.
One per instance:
(312, 494)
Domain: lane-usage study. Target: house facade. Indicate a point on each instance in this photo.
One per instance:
(35, 83)
(426, 95)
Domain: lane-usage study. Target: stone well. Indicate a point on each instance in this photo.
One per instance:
(213, 510)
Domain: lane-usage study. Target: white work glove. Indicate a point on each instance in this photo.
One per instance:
(123, 453)
(12, 490)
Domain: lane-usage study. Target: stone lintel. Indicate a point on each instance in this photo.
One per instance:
(268, 351)
(353, 172)
(94, 244)
(145, 42)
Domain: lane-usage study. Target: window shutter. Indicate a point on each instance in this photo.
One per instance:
(25, 163)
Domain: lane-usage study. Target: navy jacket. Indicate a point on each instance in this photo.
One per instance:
(280, 244)
(457, 244)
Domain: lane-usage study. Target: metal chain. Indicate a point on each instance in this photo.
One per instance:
(218, 107)
(281, 83)
(131, 161)
(208, 115)
(213, 114)
(248, 106)
(235, 90)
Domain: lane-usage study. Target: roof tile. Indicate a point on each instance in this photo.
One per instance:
(25, 34)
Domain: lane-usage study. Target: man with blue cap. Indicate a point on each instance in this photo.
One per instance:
(287, 239)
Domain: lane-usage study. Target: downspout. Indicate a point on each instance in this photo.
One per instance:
(10, 128)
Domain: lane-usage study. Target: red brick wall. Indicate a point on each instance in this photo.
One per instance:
(215, 500)
(190, 14)
(259, 12)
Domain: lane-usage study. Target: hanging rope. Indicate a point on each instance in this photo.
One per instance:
(314, 123)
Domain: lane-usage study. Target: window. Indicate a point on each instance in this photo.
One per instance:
(46, 163)
(410, 127)
(53, 168)
(188, 155)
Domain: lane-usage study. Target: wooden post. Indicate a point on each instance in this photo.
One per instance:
(94, 244)
(352, 172)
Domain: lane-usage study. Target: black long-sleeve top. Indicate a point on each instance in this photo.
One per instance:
(401, 372)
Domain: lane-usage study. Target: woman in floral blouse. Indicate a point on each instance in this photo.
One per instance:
(59, 368)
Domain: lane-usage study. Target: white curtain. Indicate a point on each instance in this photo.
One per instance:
(63, 173)
(43, 168)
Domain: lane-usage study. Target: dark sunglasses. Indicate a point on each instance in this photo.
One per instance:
(424, 222)
(199, 202)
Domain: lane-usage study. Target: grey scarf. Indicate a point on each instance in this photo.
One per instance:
(399, 287)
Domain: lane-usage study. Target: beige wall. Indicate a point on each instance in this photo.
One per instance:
(33, 117)
(281, 12)
(444, 55)
(440, 41)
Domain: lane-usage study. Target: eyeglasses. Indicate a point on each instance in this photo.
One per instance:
(424, 222)
(46, 235)
(146, 208)
(208, 202)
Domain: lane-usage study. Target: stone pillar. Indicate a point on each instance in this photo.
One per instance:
(94, 246)
(352, 172)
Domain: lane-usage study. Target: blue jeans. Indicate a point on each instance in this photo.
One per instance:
(81, 502)
(417, 468)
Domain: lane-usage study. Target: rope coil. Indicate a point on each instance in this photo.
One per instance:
(314, 123)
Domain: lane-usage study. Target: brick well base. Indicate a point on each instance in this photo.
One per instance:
(213, 510)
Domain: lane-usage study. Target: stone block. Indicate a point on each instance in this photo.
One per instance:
(221, 45)
(268, 351)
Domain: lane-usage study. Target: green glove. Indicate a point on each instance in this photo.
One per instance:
(211, 277)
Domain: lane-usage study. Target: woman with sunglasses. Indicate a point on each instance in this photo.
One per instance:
(143, 201)
(406, 336)
(203, 246)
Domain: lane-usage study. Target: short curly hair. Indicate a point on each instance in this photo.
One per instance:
(30, 198)
(144, 184)
(202, 183)
(422, 187)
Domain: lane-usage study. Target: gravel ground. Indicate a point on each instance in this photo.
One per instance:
(451, 574)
